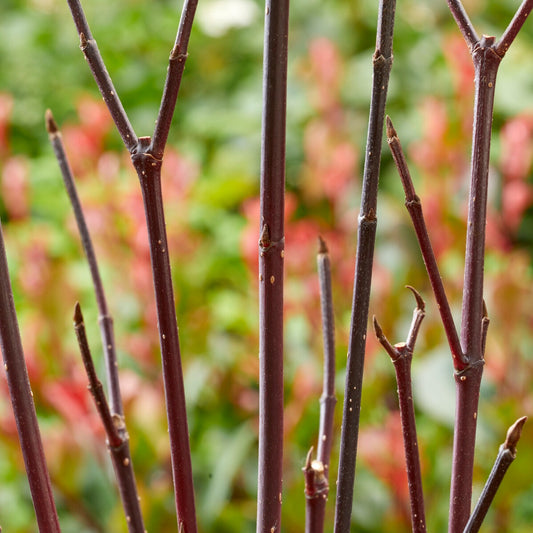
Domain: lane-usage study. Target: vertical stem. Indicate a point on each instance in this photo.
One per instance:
(327, 400)
(271, 251)
(149, 171)
(317, 472)
(468, 381)
(382, 63)
(23, 406)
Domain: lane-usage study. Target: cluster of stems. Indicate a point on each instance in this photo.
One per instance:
(468, 347)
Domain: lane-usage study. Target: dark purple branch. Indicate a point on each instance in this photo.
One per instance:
(412, 202)
(149, 173)
(468, 380)
(176, 66)
(506, 455)
(103, 80)
(486, 57)
(366, 236)
(115, 429)
(23, 406)
(316, 494)
(317, 472)
(95, 386)
(271, 251)
(466, 27)
(402, 355)
(148, 169)
(328, 399)
(514, 27)
(106, 321)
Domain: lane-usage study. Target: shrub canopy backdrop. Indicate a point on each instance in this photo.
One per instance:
(211, 188)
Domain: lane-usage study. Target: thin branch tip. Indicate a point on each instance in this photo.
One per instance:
(51, 124)
(514, 433)
(391, 132)
(308, 459)
(377, 328)
(78, 316)
(322, 247)
(420, 304)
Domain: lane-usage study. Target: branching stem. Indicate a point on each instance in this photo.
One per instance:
(486, 57)
(147, 160)
(401, 355)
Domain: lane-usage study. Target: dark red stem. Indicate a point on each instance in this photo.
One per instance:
(414, 207)
(317, 472)
(90, 50)
(506, 455)
(23, 406)
(117, 436)
(486, 56)
(149, 171)
(271, 251)
(366, 236)
(105, 319)
(176, 66)
(401, 355)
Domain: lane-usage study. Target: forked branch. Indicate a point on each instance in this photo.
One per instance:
(147, 160)
(486, 57)
(401, 355)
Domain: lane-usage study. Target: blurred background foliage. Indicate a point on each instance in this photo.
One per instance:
(211, 176)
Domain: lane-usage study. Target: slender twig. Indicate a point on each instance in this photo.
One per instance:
(317, 472)
(506, 455)
(401, 355)
(23, 406)
(382, 63)
(463, 21)
(328, 399)
(90, 49)
(105, 320)
(486, 57)
(271, 251)
(176, 66)
(414, 206)
(147, 164)
(514, 27)
(115, 429)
